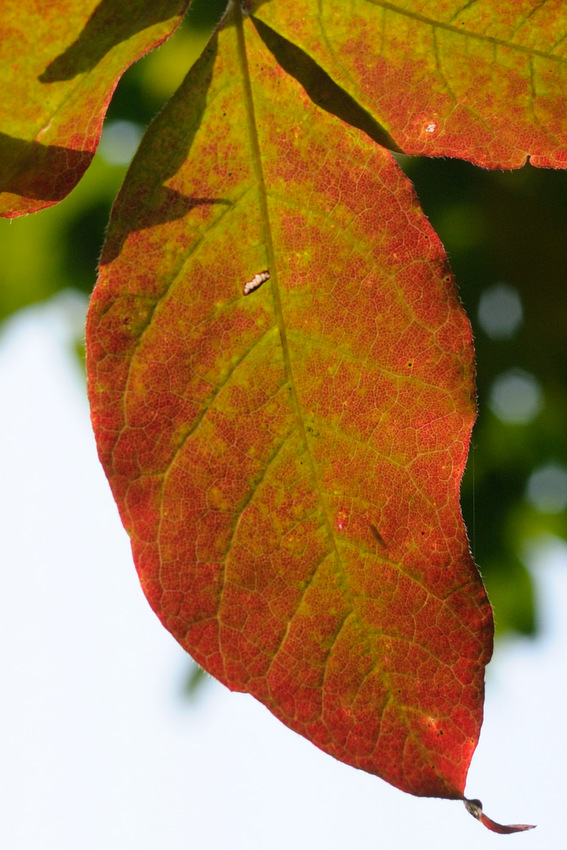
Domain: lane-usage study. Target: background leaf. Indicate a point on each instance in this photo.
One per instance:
(60, 249)
(60, 67)
(484, 82)
(288, 463)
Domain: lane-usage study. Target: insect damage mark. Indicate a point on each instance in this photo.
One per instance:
(256, 282)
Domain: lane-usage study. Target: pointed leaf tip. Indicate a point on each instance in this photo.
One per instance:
(474, 807)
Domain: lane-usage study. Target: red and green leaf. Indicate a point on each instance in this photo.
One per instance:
(287, 463)
(60, 64)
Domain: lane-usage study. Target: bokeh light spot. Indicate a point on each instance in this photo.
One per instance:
(119, 142)
(516, 397)
(547, 488)
(500, 311)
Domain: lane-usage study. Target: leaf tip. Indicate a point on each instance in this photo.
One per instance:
(474, 808)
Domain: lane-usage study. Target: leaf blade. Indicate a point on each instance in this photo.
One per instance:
(254, 442)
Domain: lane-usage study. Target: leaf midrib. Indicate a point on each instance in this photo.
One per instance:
(278, 309)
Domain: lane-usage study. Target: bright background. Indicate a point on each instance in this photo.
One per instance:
(99, 750)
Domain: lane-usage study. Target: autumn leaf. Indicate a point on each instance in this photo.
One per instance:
(280, 372)
(484, 82)
(287, 462)
(61, 66)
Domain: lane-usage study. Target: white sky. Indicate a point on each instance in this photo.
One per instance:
(98, 751)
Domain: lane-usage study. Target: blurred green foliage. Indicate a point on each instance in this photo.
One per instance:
(508, 227)
(496, 226)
